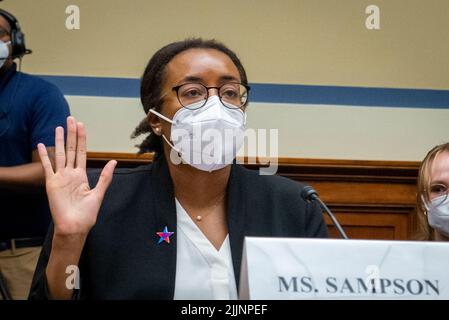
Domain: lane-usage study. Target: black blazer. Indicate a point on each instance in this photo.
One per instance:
(122, 258)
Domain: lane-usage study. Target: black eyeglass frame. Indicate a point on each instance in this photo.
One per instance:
(248, 88)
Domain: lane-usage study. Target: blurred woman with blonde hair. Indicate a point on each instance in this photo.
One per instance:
(432, 197)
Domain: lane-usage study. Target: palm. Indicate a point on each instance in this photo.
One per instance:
(74, 206)
(72, 203)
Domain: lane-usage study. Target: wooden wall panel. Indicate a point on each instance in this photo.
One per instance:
(371, 199)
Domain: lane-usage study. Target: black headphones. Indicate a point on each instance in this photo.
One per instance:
(17, 37)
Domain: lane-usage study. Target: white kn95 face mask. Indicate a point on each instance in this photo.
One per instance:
(207, 138)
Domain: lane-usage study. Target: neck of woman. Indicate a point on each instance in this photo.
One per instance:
(196, 188)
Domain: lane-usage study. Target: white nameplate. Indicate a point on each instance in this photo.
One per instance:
(287, 268)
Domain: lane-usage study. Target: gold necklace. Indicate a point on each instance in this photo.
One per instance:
(199, 218)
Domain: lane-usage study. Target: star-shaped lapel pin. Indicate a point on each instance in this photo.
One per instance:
(164, 235)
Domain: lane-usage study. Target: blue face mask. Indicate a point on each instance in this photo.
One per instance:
(4, 52)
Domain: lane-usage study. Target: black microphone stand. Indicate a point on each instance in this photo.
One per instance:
(309, 194)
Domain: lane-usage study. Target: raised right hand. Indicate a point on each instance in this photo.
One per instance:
(74, 206)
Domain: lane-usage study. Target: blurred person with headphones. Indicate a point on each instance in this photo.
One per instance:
(30, 109)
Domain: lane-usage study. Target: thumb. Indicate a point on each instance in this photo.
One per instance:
(105, 178)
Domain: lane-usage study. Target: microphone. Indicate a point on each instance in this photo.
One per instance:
(309, 194)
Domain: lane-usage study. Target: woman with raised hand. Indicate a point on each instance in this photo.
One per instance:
(173, 229)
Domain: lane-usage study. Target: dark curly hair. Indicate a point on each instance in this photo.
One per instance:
(154, 77)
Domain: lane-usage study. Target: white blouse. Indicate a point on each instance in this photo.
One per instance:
(202, 272)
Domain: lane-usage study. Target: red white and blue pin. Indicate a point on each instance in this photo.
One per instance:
(164, 235)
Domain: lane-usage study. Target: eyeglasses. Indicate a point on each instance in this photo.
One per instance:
(193, 96)
(439, 194)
